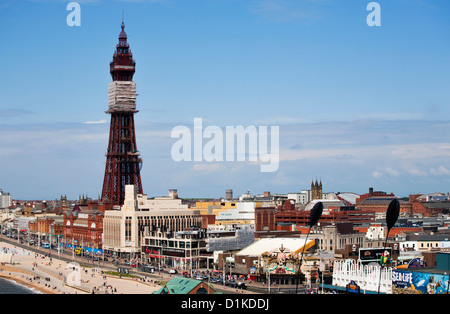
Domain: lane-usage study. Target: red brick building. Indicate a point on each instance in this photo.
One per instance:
(265, 218)
(83, 227)
(374, 194)
(378, 202)
(277, 218)
(380, 205)
(47, 228)
(428, 209)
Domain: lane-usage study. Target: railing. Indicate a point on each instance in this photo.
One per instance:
(366, 276)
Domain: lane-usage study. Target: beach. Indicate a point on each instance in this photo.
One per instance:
(54, 276)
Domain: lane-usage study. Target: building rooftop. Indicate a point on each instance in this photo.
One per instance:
(273, 244)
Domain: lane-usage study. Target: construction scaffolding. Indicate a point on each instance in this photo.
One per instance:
(243, 237)
(122, 96)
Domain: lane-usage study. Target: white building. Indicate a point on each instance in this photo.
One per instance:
(124, 229)
(243, 211)
(327, 203)
(23, 223)
(376, 232)
(304, 197)
(5, 199)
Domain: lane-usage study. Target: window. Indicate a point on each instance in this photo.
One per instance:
(128, 229)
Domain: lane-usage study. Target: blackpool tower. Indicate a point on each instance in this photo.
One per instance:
(123, 161)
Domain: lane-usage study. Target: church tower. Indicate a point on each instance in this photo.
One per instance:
(316, 190)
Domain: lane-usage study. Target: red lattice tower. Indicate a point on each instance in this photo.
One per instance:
(123, 162)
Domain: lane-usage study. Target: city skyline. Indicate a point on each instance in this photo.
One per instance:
(357, 106)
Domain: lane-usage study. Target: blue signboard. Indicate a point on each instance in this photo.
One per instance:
(352, 287)
(426, 283)
(86, 249)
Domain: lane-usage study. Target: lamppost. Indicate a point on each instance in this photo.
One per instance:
(316, 213)
(391, 218)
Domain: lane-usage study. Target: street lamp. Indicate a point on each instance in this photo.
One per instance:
(316, 213)
(391, 218)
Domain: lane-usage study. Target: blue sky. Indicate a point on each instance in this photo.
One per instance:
(357, 106)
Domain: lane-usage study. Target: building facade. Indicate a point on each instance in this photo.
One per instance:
(5, 199)
(128, 232)
(83, 228)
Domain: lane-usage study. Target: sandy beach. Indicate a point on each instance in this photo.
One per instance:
(47, 276)
(56, 276)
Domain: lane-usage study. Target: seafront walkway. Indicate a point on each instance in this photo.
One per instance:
(53, 275)
(50, 275)
(33, 265)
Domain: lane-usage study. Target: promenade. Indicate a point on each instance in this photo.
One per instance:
(33, 265)
(53, 275)
(46, 275)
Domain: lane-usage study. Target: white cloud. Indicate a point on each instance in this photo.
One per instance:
(377, 174)
(385, 172)
(281, 179)
(417, 172)
(421, 151)
(102, 121)
(391, 172)
(440, 171)
(208, 167)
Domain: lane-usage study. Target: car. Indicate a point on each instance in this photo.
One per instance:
(219, 281)
(173, 271)
(241, 285)
(232, 284)
(148, 268)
